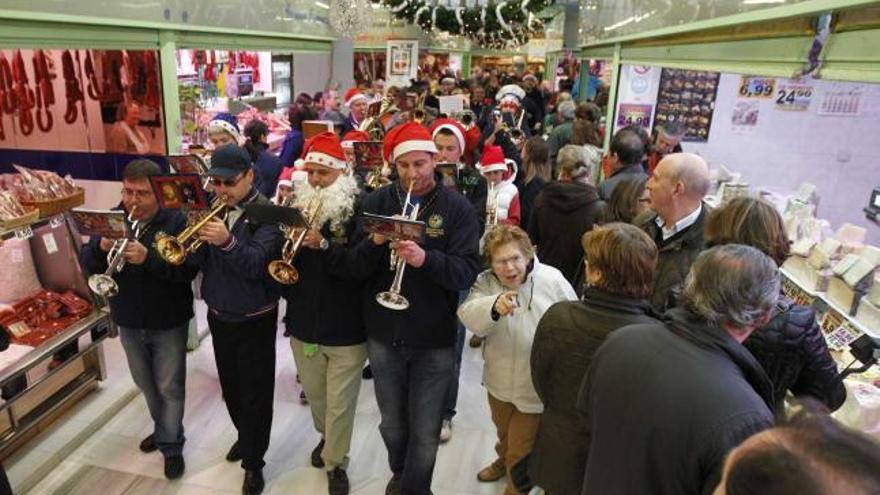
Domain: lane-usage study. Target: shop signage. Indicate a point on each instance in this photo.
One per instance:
(757, 87)
(794, 97)
(634, 114)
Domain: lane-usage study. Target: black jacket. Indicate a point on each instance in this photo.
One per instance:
(676, 256)
(664, 404)
(153, 295)
(451, 265)
(562, 213)
(528, 193)
(472, 186)
(606, 188)
(324, 307)
(267, 167)
(793, 352)
(236, 284)
(568, 335)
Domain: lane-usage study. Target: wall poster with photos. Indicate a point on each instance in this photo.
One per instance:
(687, 96)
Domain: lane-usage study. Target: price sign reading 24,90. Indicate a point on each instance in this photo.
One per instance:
(757, 87)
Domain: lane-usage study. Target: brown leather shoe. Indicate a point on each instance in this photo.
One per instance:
(492, 472)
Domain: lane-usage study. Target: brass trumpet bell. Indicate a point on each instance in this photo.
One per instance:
(171, 249)
(392, 300)
(103, 285)
(174, 249)
(283, 272)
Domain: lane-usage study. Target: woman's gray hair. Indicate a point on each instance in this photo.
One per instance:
(574, 160)
(732, 284)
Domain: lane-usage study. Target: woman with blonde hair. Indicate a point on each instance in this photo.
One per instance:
(504, 306)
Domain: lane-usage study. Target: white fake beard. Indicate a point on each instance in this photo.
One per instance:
(337, 201)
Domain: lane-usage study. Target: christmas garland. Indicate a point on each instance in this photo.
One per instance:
(496, 25)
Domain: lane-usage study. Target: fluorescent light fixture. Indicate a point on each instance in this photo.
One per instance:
(759, 2)
(322, 5)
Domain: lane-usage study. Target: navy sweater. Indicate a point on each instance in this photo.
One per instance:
(236, 284)
(153, 295)
(451, 265)
(324, 307)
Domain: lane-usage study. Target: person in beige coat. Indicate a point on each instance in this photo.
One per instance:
(504, 306)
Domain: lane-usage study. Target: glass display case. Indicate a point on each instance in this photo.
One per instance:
(52, 327)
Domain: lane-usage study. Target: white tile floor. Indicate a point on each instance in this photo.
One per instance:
(109, 462)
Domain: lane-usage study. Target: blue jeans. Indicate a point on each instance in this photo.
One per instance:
(411, 385)
(452, 393)
(157, 360)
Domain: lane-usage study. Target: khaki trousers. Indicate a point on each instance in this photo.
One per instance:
(516, 435)
(331, 380)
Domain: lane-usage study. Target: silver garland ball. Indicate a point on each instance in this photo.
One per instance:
(350, 18)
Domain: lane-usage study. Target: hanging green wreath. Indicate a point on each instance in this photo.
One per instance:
(496, 24)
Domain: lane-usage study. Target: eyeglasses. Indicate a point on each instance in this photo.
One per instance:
(126, 192)
(226, 182)
(512, 260)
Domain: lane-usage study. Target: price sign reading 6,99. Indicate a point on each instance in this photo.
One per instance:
(757, 87)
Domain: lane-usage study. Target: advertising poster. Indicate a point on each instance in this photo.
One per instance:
(634, 114)
(794, 97)
(745, 117)
(842, 101)
(687, 96)
(402, 62)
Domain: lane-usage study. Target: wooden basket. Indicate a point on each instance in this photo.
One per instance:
(26, 219)
(52, 207)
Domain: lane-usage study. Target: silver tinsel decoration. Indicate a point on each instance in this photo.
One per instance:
(350, 18)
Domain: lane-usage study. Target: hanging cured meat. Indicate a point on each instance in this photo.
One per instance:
(94, 87)
(111, 81)
(151, 64)
(24, 95)
(43, 76)
(7, 94)
(72, 85)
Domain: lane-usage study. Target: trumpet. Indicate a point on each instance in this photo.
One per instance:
(375, 126)
(174, 249)
(491, 207)
(103, 283)
(468, 119)
(391, 298)
(282, 270)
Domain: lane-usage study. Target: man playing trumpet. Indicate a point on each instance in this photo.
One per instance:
(152, 310)
(411, 350)
(242, 308)
(323, 307)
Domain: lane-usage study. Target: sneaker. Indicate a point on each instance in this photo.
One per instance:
(367, 373)
(148, 444)
(446, 431)
(492, 472)
(302, 398)
(316, 455)
(476, 341)
(234, 454)
(393, 487)
(337, 482)
(174, 467)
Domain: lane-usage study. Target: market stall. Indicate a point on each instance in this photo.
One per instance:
(778, 100)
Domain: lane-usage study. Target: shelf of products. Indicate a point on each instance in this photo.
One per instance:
(52, 324)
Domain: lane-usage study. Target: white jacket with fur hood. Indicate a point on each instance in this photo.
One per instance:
(507, 372)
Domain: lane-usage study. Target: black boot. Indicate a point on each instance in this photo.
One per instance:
(253, 482)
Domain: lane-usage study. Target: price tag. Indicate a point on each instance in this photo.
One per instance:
(24, 233)
(794, 97)
(757, 87)
(841, 337)
(56, 221)
(51, 245)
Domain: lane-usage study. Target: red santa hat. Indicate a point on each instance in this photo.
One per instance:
(450, 125)
(529, 75)
(324, 149)
(353, 95)
(406, 138)
(299, 173)
(493, 160)
(352, 137)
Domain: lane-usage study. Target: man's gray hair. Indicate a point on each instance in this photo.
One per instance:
(732, 284)
(566, 109)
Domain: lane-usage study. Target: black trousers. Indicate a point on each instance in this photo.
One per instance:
(245, 355)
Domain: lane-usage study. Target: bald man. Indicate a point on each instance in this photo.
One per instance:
(677, 188)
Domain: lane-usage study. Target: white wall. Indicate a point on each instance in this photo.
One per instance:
(840, 155)
(311, 71)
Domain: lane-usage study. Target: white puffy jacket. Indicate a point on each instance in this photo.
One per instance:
(507, 372)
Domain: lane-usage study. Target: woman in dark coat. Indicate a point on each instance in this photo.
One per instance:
(620, 263)
(791, 347)
(267, 166)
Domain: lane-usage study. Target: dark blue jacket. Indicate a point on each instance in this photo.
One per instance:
(267, 168)
(236, 284)
(324, 307)
(153, 295)
(451, 264)
(291, 148)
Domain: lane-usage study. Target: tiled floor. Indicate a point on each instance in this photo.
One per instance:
(109, 462)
